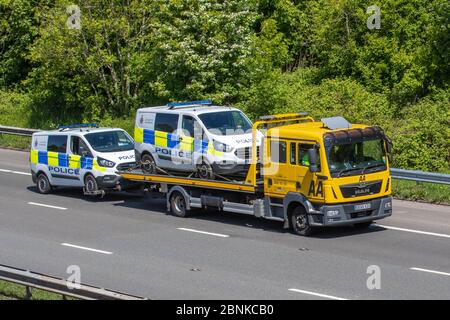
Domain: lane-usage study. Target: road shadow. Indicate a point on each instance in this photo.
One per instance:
(153, 202)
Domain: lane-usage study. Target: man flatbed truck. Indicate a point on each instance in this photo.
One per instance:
(305, 173)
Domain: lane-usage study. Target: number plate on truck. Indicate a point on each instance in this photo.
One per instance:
(362, 206)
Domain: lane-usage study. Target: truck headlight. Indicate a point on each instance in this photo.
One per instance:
(388, 205)
(105, 163)
(219, 146)
(332, 213)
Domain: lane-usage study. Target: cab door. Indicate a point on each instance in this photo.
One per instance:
(277, 174)
(80, 159)
(308, 183)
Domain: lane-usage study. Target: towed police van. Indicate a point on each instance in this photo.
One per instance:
(81, 156)
(194, 137)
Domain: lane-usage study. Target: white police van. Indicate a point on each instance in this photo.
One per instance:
(194, 136)
(81, 156)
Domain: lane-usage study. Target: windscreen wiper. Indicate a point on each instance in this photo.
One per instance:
(346, 170)
(373, 166)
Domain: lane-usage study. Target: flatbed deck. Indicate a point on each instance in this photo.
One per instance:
(139, 176)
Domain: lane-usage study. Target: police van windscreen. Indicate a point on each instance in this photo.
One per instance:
(109, 141)
(226, 122)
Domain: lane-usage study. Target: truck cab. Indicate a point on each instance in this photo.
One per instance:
(335, 171)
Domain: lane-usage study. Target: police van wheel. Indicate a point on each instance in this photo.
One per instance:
(204, 171)
(90, 184)
(178, 204)
(148, 164)
(42, 184)
(299, 222)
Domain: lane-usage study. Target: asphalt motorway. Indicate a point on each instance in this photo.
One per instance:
(128, 243)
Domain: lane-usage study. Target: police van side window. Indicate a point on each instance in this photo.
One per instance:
(166, 122)
(57, 144)
(188, 126)
(79, 147)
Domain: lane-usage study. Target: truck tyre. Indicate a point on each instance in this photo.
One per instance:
(299, 222)
(178, 204)
(148, 164)
(43, 184)
(363, 225)
(204, 171)
(90, 184)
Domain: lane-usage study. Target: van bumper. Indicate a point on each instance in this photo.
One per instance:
(349, 213)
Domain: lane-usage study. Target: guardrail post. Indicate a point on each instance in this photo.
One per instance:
(28, 293)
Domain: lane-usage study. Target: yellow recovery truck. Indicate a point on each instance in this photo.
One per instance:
(305, 173)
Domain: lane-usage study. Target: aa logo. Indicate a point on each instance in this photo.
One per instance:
(315, 192)
(362, 178)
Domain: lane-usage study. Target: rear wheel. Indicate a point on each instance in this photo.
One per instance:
(148, 164)
(178, 204)
(299, 222)
(43, 184)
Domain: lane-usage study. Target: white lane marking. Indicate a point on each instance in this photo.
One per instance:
(46, 205)
(317, 294)
(431, 271)
(204, 232)
(16, 172)
(85, 248)
(415, 231)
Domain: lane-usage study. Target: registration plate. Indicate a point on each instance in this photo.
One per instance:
(362, 206)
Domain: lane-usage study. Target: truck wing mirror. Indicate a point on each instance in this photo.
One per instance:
(389, 144)
(312, 154)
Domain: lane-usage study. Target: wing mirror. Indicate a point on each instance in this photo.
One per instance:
(312, 154)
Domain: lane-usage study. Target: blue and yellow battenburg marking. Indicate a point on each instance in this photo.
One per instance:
(63, 160)
(172, 141)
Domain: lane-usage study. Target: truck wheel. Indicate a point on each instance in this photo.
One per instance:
(148, 164)
(204, 171)
(42, 184)
(178, 204)
(299, 222)
(363, 225)
(90, 184)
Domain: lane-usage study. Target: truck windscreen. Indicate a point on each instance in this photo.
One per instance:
(226, 122)
(109, 141)
(356, 158)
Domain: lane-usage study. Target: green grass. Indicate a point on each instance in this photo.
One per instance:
(12, 291)
(17, 142)
(423, 191)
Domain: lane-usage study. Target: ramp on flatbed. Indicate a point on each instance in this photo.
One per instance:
(139, 176)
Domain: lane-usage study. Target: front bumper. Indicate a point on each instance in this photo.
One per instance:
(347, 214)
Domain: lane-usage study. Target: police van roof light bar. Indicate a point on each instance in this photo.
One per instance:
(78, 125)
(207, 102)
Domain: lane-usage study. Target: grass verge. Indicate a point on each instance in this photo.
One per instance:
(421, 191)
(12, 291)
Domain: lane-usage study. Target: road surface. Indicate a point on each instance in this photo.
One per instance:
(128, 243)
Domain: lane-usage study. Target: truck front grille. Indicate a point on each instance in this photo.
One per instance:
(361, 189)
